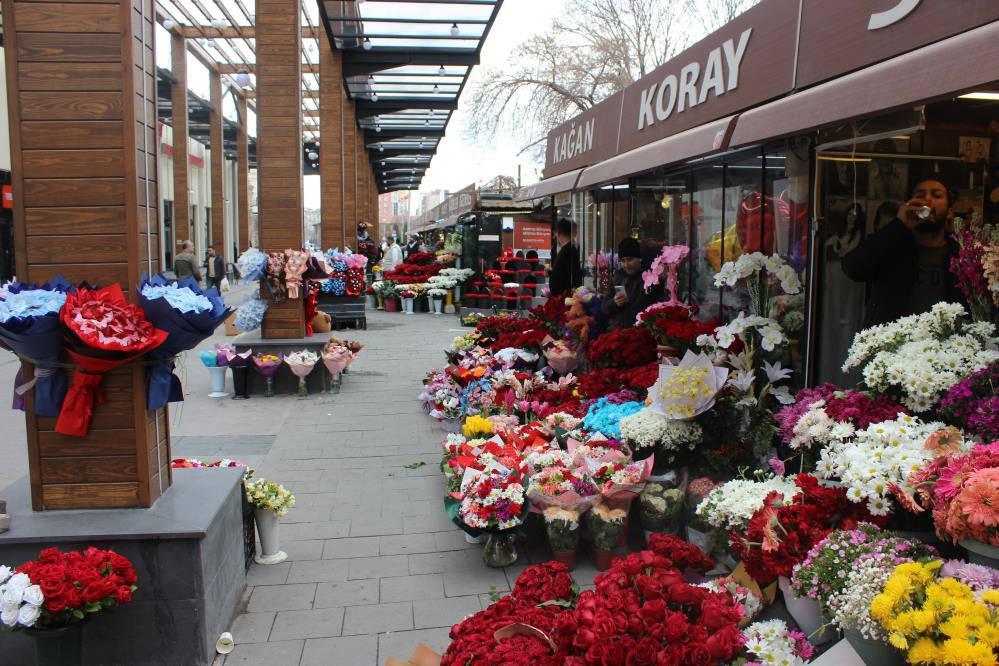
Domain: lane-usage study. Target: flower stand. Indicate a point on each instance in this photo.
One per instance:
(981, 553)
(268, 528)
(806, 612)
(240, 383)
(874, 652)
(59, 647)
(407, 305)
(438, 304)
(217, 376)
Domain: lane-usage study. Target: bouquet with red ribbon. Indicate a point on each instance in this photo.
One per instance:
(104, 331)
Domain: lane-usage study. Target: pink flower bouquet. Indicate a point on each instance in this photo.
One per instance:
(668, 260)
(301, 364)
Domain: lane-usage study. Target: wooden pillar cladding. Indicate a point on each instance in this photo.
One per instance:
(360, 168)
(242, 177)
(279, 147)
(181, 159)
(217, 166)
(349, 168)
(81, 97)
(333, 232)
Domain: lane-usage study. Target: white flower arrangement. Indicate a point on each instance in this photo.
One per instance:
(747, 265)
(435, 292)
(816, 428)
(884, 453)
(732, 504)
(20, 600)
(850, 609)
(264, 494)
(772, 644)
(646, 429)
(919, 357)
(459, 275)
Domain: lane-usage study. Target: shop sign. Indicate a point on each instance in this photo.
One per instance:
(531, 235)
(586, 139)
(842, 36)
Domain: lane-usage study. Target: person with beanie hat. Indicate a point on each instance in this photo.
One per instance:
(627, 296)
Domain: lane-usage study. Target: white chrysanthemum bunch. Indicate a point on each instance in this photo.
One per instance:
(865, 579)
(883, 454)
(772, 644)
(733, 503)
(748, 265)
(816, 428)
(919, 357)
(645, 429)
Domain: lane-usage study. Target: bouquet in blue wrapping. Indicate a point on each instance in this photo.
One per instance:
(189, 316)
(252, 264)
(30, 327)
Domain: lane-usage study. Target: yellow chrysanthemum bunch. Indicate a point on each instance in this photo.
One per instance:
(685, 390)
(477, 426)
(937, 620)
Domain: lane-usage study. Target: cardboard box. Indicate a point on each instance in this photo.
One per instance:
(422, 656)
(230, 325)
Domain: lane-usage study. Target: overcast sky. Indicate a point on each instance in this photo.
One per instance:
(459, 162)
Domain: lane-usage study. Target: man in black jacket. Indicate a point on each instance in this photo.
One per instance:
(906, 264)
(566, 273)
(214, 268)
(627, 296)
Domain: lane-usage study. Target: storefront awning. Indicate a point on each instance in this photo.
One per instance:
(685, 145)
(947, 67)
(564, 182)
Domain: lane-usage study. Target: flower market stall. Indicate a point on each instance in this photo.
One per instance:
(676, 454)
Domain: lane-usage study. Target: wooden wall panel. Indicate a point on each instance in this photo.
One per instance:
(349, 166)
(217, 165)
(333, 225)
(242, 177)
(82, 111)
(279, 137)
(181, 156)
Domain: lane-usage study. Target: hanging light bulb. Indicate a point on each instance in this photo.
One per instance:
(427, 122)
(169, 24)
(371, 80)
(243, 80)
(219, 23)
(437, 88)
(441, 71)
(313, 155)
(454, 30)
(374, 97)
(381, 148)
(366, 44)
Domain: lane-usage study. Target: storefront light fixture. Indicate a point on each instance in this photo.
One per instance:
(830, 158)
(366, 44)
(454, 30)
(169, 24)
(987, 95)
(313, 155)
(243, 79)
(437, 88)
(441, 71)
(374, 97)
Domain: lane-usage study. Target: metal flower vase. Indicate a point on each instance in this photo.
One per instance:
(268, 529)
(59, 647)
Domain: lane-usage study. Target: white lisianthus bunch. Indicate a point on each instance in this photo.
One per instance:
(919, 357)
(772, 644)
(850, 608)
(732, 504)
(885, 453)
(748, 265)
(263, 494)
(20, 600)
(645, 429)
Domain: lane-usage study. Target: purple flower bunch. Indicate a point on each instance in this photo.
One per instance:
(976, 576)
(973, 403)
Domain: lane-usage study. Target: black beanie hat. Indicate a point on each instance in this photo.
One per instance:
(629, 247)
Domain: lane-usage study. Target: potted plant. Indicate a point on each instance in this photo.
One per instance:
(52, 596)
(407, 296)
(390, 295)
(271, 502)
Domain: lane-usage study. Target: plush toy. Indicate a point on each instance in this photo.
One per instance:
(275, 277)
(297, 262)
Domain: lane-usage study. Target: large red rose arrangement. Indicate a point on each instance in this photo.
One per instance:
(411, 273)
(77, 584)
(781, 532)
(622, 348)
(528, 340)
(598, 383)
(673, 325)
(495, 326)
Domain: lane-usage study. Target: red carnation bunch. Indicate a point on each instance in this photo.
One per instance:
(76, 584)
(541, 583)
(598, 383)
(622, 348)
(552, 314)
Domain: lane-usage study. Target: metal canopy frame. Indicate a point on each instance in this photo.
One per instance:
(405, 64)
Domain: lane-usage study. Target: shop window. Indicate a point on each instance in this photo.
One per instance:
(612, 224)
(709, 246)
(747, 224)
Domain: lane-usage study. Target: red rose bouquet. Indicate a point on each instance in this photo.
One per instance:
(508, 633)
(674, 325)
(544, 583)
(104, 331)
(622, 348)
(78, 584)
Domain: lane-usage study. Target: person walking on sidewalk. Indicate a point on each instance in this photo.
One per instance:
(214, 269)
(185, 264)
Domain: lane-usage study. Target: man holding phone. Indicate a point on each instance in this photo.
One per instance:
(627, 296)
(906, 263)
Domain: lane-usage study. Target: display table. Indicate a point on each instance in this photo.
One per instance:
(285, 381)
(344, 310)
(187, 550)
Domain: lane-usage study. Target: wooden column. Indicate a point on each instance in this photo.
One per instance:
(360, 161)
(242, 177)
(331, 144)
(81, 97)
(279, 147)
(349, 168)
(217, 165)
(181, 159)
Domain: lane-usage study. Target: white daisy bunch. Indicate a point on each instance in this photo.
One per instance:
(919, 357)
(20, 600)
(732, 504)
(747, 265)
(883, 454)
(772, 644)
(645, 429)
(816, 428)
(865, 579)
